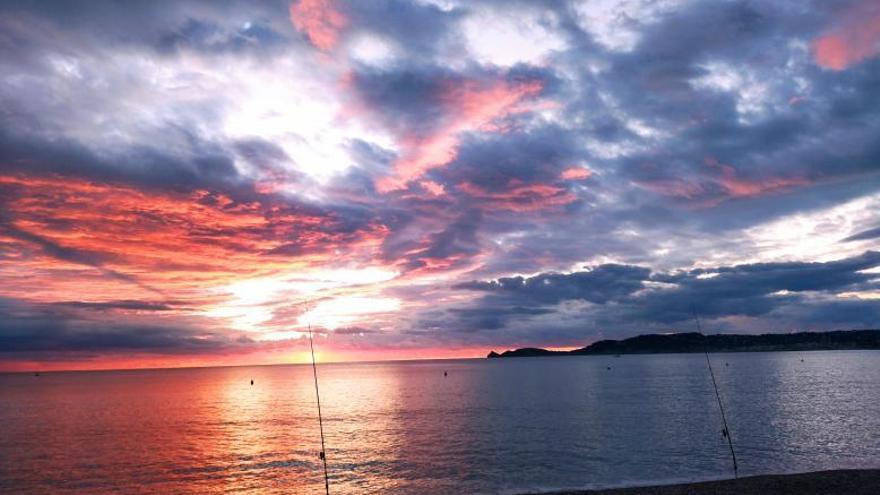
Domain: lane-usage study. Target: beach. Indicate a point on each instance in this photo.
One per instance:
(843, 482)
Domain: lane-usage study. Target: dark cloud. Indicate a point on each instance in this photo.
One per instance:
(120, 304)
(263, 155)
(625, 295)
(41, 336)
(458, 238)
(599, 285)
(212, 38)
(223, 26)
(492, 162)
(203, 165)
(827, 314)
(750, 290)
(453, 245)
(409, 98)
(26, 329)
(864, 235)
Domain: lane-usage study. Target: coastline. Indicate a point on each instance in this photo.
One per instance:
(696, 342)
(833, 482)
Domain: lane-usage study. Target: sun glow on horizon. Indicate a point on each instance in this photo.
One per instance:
(342, 311)
(252, 303)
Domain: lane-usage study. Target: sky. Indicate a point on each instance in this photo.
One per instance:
(197, 183)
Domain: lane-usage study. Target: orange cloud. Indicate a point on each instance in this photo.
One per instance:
(180, 244)
(468, 107)
(320, 20)
(855, 37)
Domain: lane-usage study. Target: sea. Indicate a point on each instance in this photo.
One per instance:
(488, 426)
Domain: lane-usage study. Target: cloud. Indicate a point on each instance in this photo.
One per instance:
(409, 30)
(753, 289)
(31, 330)
(854, 37)
(453, 246)
(121, 304)
(207, 37)
(598, 285)
(353, 331)
(146, 166)
(86, 257)
(429, 109)
(723, 183)
(519, 196)
(320, 20)
(520, 170)
(626, 295)
(230, 155)
(864, 235)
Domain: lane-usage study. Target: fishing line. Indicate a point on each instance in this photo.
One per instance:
(323, 454)
(726, 431)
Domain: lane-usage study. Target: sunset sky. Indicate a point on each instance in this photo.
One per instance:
(192, 183)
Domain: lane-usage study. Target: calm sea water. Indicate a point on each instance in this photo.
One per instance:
(490, 426)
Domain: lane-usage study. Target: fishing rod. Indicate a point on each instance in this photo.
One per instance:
(322, 454)
(726, 431)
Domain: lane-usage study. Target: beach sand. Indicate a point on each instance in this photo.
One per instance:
(838, 482)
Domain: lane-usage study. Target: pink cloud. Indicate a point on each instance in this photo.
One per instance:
(738, 187)
(433, 187)
(468, 107)
(320, 20)
(576, 173)
(722, 183)
(854, 37)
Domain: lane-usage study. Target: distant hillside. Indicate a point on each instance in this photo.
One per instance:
(697, 342)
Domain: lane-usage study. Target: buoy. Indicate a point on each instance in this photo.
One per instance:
(444, 373)
(609, 367)
(252, 382)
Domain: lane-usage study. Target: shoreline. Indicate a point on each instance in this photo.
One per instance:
(696, 342)
(832, 482)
